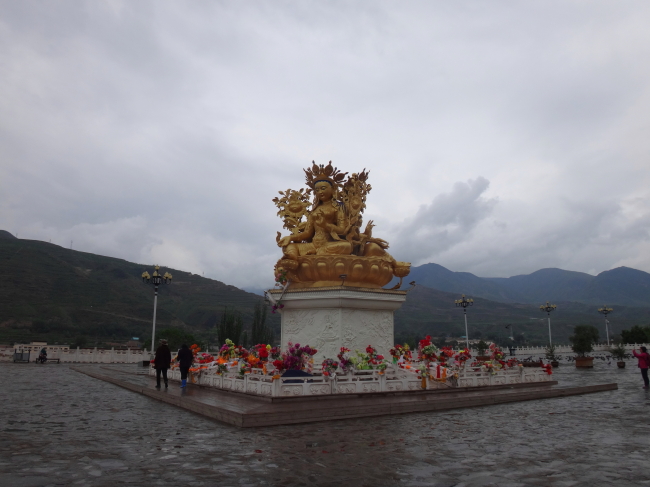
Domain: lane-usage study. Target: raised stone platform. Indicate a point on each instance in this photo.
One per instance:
(249, 411)
(329, 318)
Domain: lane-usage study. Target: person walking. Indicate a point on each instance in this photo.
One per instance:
(644, 364)
(162, 362)
(185, 359)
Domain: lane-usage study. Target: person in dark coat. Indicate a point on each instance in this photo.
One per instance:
(185, 359)
(162, 362)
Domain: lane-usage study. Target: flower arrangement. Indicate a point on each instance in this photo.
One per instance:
(222, 368)
(496, 353)
(329, 367)
(396, 352)
(491, 367)
(275, 353)
(445, 354)
(512, 362)
(368, 360)
(296, 358)
(373, 357)
(277, 307)
(344, 360)
(203, 358)
(281, 277)
(261, 351)
(427, 350)
(462, 356)
(548, 368)
(244, 368)
(231, 351)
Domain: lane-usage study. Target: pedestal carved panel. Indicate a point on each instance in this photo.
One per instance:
(331, 318)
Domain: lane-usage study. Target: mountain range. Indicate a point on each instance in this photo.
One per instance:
(622, 286)
(52, 293)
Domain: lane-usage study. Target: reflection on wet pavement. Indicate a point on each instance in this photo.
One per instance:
(60, 427)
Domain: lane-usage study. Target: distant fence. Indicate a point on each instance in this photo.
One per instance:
(112, 356)
(562, 349)
(87, 356)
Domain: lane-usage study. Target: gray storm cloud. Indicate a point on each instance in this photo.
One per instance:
(448, 220)
(159, 131)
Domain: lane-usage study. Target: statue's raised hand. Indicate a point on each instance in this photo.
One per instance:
(284, 241)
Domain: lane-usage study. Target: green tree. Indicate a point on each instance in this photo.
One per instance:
(175, 338)
(583, 339)
(230, 326)
(636, 334)
(260, 331)
(482, 347)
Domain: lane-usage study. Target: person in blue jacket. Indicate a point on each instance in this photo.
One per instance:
(185, 359)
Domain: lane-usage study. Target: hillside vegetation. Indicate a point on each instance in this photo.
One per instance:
(60, 295)
(52, 293)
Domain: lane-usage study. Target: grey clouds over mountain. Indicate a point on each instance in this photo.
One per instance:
(501, 137)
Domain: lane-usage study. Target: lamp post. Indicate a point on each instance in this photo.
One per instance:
(156, 279)
(464, 303)
(548, 308)
(605, 311)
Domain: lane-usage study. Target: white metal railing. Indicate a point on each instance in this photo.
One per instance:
(393, 379)
(92, 356)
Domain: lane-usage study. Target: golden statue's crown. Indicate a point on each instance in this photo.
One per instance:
(320, 172)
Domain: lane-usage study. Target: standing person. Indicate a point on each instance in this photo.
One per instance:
(644, 364)
(185, 359)
(162, 362)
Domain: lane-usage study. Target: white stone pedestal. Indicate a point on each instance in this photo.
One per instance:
(330, 318)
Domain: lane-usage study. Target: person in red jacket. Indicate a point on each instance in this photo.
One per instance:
(644, 364)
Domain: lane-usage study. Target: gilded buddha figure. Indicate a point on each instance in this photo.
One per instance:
(326, 241)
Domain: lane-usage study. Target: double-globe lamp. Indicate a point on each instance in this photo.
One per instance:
(547, 309)
(605, 311)
(156, 279)
(464, 303)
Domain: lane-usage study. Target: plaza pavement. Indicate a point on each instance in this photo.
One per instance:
(60, 427)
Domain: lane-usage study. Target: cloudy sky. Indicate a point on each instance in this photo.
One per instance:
(501, 137)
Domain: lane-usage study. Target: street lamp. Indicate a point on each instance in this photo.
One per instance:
(605, 311)
(548, 308)
(156, 279)
(464, 303)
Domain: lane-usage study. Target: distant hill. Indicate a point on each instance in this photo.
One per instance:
(6, 234)
(621, 286)
(52, 293)
(432, 312)
(55, 294)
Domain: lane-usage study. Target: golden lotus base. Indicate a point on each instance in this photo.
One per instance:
(335, 270)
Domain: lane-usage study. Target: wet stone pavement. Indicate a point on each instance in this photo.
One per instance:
(60, 427)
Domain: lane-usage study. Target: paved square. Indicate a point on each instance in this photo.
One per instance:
(60, 427)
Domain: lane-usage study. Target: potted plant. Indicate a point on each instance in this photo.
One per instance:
(583, 339)
(551, 356)
(619, 353)
(482, 348)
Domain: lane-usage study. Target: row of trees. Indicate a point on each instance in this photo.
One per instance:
(231, 326)
(636, 334)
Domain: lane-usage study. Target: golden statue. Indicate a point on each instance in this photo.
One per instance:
(326, 246)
